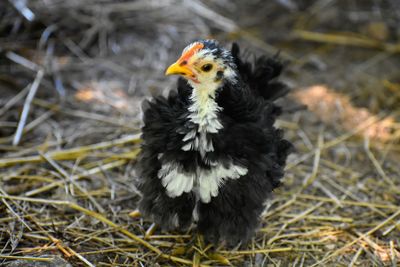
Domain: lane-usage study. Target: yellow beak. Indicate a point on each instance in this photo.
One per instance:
(177, 69)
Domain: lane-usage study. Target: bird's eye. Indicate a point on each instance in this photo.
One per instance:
(206, 67)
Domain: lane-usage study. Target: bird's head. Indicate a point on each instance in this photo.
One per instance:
(205, 63)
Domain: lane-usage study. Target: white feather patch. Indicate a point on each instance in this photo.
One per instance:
(204, 182)
(203, 112)
(175, 180)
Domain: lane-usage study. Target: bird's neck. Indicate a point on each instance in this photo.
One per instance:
(204, 109)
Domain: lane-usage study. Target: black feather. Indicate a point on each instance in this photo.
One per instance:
(260, 76)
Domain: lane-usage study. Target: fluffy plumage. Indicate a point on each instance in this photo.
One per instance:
(211, 153)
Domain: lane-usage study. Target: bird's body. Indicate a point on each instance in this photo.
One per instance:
(211, 153)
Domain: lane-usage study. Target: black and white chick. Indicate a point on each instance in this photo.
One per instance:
(210, 151)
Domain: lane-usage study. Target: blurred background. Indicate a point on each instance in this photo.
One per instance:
(73, 75)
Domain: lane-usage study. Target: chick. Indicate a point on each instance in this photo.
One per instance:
(210, 151)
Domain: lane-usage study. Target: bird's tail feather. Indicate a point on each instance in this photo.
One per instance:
(261, 75)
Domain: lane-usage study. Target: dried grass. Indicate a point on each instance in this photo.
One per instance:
(71, 90)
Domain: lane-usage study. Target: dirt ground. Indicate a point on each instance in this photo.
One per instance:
(73, 75)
